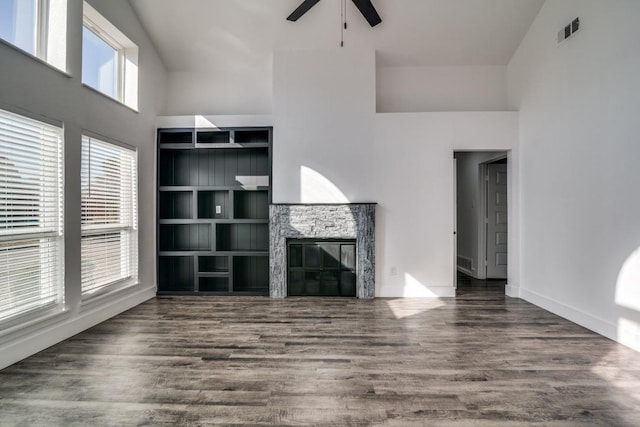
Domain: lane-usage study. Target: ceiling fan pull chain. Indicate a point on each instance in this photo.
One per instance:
(344, 2)
(343, 23)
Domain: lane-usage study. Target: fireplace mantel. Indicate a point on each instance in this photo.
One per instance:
(322, 221)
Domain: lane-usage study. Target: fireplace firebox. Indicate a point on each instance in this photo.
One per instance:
(321, 268)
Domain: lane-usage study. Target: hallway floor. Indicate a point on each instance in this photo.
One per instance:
(471, 287)
(481, 359)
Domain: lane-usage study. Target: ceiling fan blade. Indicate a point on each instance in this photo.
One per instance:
(368, 11)
(302, 9)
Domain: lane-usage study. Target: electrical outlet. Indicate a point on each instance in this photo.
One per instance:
(394, 271)
(218, 209)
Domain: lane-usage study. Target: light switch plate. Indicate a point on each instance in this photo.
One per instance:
(218, 209)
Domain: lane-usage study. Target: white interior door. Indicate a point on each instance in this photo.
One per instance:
(496, 221)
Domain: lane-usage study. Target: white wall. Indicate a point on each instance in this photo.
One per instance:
(470, 211)
(28, 85)
(413, 180)
(399, 89)
(325, 122)
(579, 133)
(324, 110)
(244, 91)
(441, 88)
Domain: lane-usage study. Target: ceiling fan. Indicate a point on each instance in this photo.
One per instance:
(364, 6)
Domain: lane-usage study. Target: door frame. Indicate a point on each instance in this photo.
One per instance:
(455, 223)
(512, 288)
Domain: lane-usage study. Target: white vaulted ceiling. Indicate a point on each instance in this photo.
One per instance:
(206, 35)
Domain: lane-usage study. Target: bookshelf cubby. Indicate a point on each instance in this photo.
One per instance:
(213, 204)
(176, 205)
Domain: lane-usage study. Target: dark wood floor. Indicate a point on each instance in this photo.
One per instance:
(480, 360)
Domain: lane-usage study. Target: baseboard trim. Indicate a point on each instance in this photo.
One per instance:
(573, 314)
(512, 291)
(443, 291)
(32, 341)
(418, 292)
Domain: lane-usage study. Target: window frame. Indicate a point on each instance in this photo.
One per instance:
(126, 75)
(120, 58)
(42, 29)
(97, 230)
(50, 240)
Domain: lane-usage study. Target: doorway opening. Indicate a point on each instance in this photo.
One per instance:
(481, 221)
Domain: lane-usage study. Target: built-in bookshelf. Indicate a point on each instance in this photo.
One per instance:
(214, 190)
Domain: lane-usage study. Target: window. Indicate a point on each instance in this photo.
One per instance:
(31, 216)
(109, 216)
(21, 22)
(109, 59)
(100, 63)
(38, 27)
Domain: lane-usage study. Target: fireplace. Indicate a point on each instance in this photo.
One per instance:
(338, 238)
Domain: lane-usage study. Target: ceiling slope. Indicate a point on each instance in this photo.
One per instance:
(206, 35)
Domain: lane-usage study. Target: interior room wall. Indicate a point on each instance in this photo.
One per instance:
(249, 90)
(331, 146)
(414, 186)
(30, 86)
(579, 134)
(441, 88)
(324, 111)
(230, 91)
(469, 205)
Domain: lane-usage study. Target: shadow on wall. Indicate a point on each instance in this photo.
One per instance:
(627, 298)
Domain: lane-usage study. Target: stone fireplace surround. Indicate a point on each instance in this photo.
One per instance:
(322, 221)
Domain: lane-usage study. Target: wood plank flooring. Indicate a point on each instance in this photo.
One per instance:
(478, 360)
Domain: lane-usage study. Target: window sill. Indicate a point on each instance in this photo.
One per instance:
(94, 90)
(35, 58)
(18, 325)
(112, 292)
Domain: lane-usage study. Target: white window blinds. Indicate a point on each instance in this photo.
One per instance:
(31, 215)
(109, 215)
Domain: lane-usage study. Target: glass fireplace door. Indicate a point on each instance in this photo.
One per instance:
(321, 268)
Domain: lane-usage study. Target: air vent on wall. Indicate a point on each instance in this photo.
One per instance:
(568, 31)
(465, 264)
